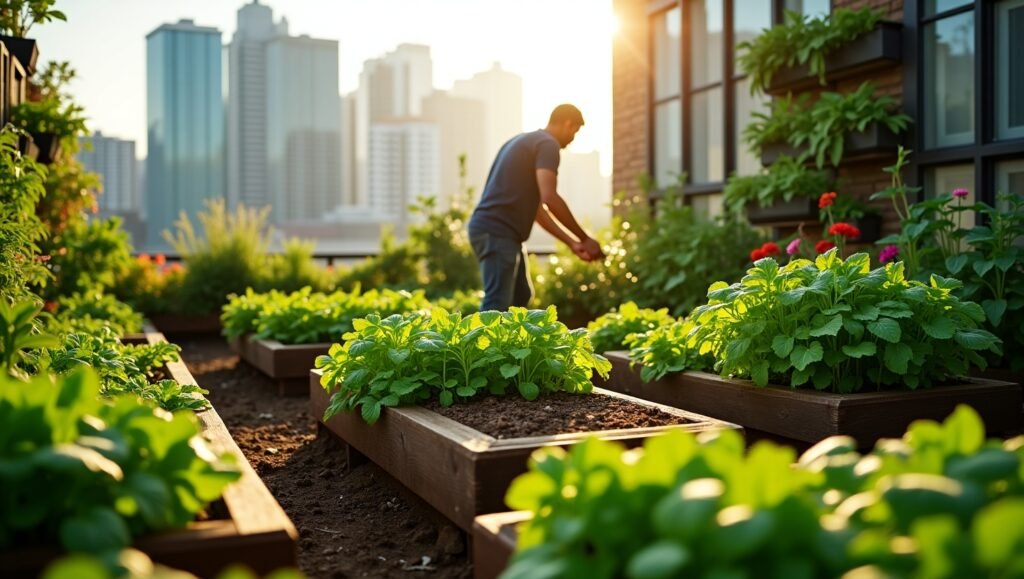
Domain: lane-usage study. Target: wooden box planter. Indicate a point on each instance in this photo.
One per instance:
(287, 364)
(458, 470)
(800, 209)
(878, 49)
(874, 141)
(808, 416)
(494, 542)
(26, 50)
(247, 525)
(180, 324)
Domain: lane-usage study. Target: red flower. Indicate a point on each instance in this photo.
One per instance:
(757, 254)
(770, 248)
(826, 200)
(161, 259)
(823, 246)
(845, 229)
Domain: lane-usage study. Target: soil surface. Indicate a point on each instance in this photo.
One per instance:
(358, 523)
(561, 412)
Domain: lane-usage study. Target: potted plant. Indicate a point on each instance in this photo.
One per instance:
(785, 191)
(49, 124)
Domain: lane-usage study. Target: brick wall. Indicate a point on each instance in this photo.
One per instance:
(631, 83)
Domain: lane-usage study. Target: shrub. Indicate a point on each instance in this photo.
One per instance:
(610, 331)
(21, 231)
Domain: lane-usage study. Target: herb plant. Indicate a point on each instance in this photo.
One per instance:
(667, 349)
(406, 359)
(89, 474)
(21, 230)
(785, 179)
(612, 330)
(841, 326)
(90, 311)
(19, 337)
(940, 503)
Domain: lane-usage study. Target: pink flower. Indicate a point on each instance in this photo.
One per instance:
(888, 253)
(793, 247)
(961, 192)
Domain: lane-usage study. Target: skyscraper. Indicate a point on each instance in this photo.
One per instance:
(114, 160)
(284, 131)
(185, 124)
(460, 123)
(502, 93)
(403, 165)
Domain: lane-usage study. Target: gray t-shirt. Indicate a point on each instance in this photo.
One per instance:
(508, 206)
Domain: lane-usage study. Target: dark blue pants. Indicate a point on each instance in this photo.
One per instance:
(503, 267)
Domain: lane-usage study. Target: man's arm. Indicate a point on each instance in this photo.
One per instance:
(545, 220)
(547, 181)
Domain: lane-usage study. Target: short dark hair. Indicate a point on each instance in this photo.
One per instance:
(566, 112)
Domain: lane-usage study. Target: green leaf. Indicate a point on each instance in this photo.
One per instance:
(887, 329)
(994, 310)
(803, 356)
(975, 339)
(509, 370)
(897, 356)
(465, 391)
(446, 398)
(860, 350)
(94, 531)
(371, 411)
(782, 345)
(982, 267)
(829, 328)
(940, 328)
(955, 263)
(661, 560)
(759, 372)
(998, 535)
(520, 353)
(528, 390)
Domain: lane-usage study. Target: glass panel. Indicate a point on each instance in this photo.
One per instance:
(667, 33)
(949, 81)
(943, 180)
(668, 144)
(709, 206)
(706, 42)
(933, 7)
(1010, 179)
(1010, 70)
(750, 17)
(746, 162)
(708, 152)
(810, 8)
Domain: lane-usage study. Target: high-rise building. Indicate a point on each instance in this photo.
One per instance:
(348, 143)
(284, 125)
(403, 165)
(114, 161)
(460, 123)
(502, 93)
(185, 124)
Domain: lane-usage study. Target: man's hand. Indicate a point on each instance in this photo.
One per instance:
(580, 252)
(592, 248)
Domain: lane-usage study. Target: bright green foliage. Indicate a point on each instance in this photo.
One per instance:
(840, 326)
(89, 474)
(126, 369)
(406, 359)
(610, 331)
(89, 311)
(295, 269)
(785, 179)
(304, 317)
(137, 565)
(668, 348)
(463, 302)
(442, 243)
(395, 266)
(18, 16)
(819, 128)
(21, 188)
(19, 337)
(86, 256)
(940, 503)
(802, 40)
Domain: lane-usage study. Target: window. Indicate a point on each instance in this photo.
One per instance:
(812, 8)
(1010, 70)
(668, 117)
(943, 180)
(949, 81)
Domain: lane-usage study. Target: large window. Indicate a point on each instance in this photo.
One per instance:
(964, 83)
(701, 101)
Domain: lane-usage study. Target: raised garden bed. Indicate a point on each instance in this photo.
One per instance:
(880, 48)
(873, 142)
(246, 525)
(494, 542)
(459, 470)
(287, 364)
(807, 416)
(179, 324)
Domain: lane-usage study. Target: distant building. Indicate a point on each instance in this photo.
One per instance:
(460, 122)
(403, 165)
(185, 124)
(348, 143)
(114, 161)
(502, 94)
(284, 122)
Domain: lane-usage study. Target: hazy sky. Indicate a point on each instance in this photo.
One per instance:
(561, 48)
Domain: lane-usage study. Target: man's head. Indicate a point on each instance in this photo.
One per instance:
(564, 122)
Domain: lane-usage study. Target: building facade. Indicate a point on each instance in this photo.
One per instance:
(681, 102)
(502, 94)
(185, 125)
(459, 124)
(404, 161)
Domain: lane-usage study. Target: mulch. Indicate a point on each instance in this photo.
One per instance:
(352, 523)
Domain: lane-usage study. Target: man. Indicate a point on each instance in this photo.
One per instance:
(521, 189)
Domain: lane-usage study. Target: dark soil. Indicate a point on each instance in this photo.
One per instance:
(358, 523)
(514, 417)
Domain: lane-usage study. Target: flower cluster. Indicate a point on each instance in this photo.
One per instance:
(844, 230)
(827, 199)
(823, 246)
(888, 253)
(769, 249)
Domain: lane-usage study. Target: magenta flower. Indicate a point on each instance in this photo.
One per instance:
(960, 192)
(888, 253)
(793, 247)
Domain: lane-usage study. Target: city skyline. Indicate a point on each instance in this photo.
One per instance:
(571, 65)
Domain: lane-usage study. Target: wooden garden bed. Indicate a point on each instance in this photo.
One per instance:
(458, 470)
(287, 364)
(494, 542)
(246, 525)
(808, 416)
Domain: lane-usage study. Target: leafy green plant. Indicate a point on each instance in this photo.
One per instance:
(396, 267)
(802, 40)
(135, 564)
(19, 335)
(242, 312)
(611, 331)
(940, 503)
(463, 302)
(89, 474)
(21, 230)
(18, 16)
(406, 359)
(667, 349)
(840, 326)
(64, 120)
(92, 310)
(86, 256)
(294, 269)
(785, 179)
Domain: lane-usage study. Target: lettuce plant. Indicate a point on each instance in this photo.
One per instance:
(610, 331)
(410, 358)
(940, 502)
